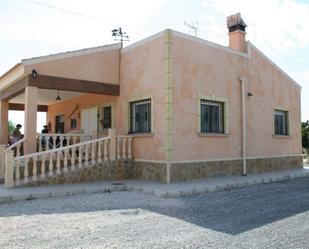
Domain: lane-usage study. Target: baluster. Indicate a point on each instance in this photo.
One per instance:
(87, 155)
(40, 143)
(47, 142)
(43, 167)
(34, 169)
(124, 148)
(93, 154)
(65, 161)
(26, 173)
(54, 142)
(17, 176)
(130, 148)
(74, 139)
(58, 165)
(61, 141)
(73, 159)
(80, 157)
(105, 150)
(100, 152)
(118, 148)
(51, 165)
(18, 149)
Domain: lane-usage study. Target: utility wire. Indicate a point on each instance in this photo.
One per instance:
(84, 15)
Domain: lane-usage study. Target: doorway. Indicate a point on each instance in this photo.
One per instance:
(59, 124)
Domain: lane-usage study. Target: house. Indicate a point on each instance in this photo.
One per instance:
(176, 107)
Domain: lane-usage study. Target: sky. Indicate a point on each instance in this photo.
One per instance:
(29, 28)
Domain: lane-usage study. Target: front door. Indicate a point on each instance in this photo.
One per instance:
(89, 121)
(59, 124)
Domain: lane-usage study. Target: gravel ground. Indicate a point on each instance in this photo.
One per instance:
(263, 216)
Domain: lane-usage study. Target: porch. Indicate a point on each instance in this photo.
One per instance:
(39, 156)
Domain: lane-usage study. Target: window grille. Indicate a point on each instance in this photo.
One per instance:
(140, 116)
(212, 116)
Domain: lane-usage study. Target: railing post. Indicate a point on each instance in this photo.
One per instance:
(9, 164)
(130, 148)
(2, 160)
(94, 135)
(112, 144)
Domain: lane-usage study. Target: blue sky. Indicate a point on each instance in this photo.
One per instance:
(280, 28)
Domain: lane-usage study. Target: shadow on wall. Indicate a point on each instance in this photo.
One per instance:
(231, 212)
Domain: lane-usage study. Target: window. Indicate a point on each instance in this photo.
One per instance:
(281, 122)
(140, 116)
(105, 118)
(212, 116)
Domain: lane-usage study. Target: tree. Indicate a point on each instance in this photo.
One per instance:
(11, 127)
(305, 134)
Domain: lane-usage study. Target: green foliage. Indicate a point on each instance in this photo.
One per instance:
(305, 134)
(11, 127)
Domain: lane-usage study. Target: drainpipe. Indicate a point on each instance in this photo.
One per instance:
(243, 124)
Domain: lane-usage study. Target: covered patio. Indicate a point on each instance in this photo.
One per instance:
(34, 92)
(34, 85)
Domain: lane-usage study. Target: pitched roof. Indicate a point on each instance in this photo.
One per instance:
(70, 53)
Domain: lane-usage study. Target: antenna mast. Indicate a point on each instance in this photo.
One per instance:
(119, 35)
(192, 27)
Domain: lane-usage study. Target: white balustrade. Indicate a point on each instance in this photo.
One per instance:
(17, 147)
(71, 154)
(58, 140)
(124, 147)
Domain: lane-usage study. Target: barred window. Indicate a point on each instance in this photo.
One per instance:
(140, 116)
(212, 116)
(281, 122)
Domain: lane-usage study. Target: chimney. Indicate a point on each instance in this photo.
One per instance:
(237, 32)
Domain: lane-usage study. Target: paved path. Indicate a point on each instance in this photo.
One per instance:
(153, 188)
(274, 215)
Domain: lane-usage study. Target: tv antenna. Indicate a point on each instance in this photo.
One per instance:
(192, 27)
(120, 35)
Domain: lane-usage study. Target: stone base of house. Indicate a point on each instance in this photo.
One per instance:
(173, 172)
(197, 170)
(185, 171)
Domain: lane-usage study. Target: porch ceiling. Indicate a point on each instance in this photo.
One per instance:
(47, 97)
(74, 87)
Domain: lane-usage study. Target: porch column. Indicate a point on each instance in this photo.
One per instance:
(31, 101)
(4, 121)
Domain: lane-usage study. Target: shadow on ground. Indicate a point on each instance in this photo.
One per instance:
(232, 212)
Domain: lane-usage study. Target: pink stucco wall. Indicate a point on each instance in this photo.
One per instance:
(141, 74)
(199, 69)
(100, 66)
